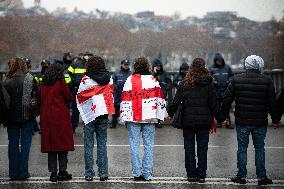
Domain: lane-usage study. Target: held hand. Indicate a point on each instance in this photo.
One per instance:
(168, 120)
(275, 126)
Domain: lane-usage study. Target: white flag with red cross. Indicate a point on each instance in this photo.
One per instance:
(94, 100)
(142, 99)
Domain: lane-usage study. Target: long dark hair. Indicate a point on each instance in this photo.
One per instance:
(53, 73)
(196, 70)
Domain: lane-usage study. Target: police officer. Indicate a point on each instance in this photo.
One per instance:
(76, 71)
(222, 75)
(182, 73)
(119, 79)
(44, 65)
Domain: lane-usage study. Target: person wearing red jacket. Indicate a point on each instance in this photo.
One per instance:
(55, 120)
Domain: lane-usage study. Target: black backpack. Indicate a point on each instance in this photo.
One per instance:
(5, 101)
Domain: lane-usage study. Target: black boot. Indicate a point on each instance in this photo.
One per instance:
(264, 181)
(63, 176)
(53, 177)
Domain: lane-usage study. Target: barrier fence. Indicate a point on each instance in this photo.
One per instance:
(276, 75)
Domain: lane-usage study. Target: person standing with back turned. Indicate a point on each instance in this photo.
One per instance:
(254, 95)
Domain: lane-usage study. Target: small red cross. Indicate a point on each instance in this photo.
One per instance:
(93, 107)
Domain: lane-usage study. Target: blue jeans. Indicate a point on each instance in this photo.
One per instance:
(134, 135)
(258, 137)
(19, 156)
(98, 126)
(202, 139)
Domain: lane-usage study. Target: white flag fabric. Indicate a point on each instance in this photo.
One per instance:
(94, 100)
(142, 99)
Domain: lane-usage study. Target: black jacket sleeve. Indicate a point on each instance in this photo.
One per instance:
(228, 99)
(173, 106)
(280, 102)
(213, 102)
(272, 106)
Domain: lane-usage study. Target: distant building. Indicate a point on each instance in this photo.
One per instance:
(145, 14)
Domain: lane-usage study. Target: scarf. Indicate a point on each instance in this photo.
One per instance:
(27, 93)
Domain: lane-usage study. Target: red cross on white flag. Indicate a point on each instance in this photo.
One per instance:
(142, 99)
(94, 100)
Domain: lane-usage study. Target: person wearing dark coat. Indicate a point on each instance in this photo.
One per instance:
(181, 75)
(76, 71)
(20, 86)
(55, 120)
(164, 81)
(119, 79)
(39, 76)
(200, 105)
(222, 74)
(280, 102)
(254, 95)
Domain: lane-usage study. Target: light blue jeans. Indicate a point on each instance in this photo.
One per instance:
(134, 135)
(98, 126)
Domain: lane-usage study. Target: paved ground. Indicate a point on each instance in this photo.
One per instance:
(169, 168)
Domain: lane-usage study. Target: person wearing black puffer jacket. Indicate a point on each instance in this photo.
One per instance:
(280, 102)
(254, 96)
(200, 105)
(222, 74)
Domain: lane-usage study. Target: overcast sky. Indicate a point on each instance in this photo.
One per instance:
(259, 10)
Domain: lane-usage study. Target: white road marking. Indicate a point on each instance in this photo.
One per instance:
(128, 180)
(162, 145)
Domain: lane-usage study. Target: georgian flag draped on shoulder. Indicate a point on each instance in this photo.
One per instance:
(142, 99)
(94, 100)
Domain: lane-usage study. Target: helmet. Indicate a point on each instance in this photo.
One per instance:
(88, 53)
(157, 62)
(125, 61)
(45, 62)
(28, 62)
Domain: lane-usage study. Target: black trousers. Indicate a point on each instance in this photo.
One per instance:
(115, 116)
(52, 161)
(202, 139)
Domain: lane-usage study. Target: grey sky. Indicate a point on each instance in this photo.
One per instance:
(259, 10)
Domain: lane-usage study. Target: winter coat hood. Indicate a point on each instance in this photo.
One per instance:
(102, 76)
(219, 57)
(183, 68)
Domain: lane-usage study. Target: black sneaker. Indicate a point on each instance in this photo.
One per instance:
(143, 178)
(137, 178)
(64, 176)
(24, 177)
(264, 181)
(53, 177)
(103, 178)
(191, 179)
(88, 178)
(238, 180)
